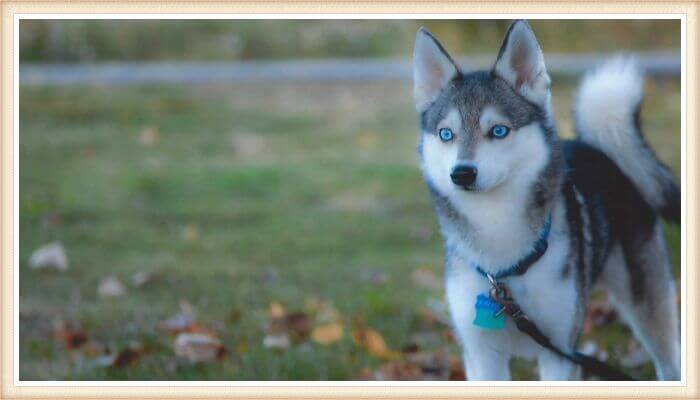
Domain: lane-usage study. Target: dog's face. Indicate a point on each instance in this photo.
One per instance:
(483, 130)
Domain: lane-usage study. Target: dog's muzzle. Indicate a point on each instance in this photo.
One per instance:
(464, 176)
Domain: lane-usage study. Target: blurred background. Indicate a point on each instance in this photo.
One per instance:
(241, 200)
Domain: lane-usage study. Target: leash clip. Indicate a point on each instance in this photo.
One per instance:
(492, 280)
(499, 293)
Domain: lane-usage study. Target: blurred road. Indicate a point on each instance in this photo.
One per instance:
(654, 63)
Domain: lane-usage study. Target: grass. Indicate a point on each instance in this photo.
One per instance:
(251, 194)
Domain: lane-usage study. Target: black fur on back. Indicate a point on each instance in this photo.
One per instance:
(617, 211)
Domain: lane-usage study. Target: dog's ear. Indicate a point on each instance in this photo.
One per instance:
(433, 68)
(521, 63)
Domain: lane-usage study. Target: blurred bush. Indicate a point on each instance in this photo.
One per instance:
(122, 40)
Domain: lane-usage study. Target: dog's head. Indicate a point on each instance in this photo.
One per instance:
(483, 130)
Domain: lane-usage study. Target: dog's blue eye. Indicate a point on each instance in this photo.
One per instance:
(499, 131)
(445, 134)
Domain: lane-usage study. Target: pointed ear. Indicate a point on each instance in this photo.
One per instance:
(433, 68)
(521, 63)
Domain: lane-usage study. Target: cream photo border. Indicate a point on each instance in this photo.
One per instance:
(13, 11)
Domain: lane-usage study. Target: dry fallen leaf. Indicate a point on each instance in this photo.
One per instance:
(296, 325)
(71, 337)
(323, 311)
(327, 334)
(299, 325)
(410, 348)
(417, 365)
(93, 349)
(599, 313)
(198, 347)
(148, 136)
(110, 287)
(373, 342)
(276, 341)
(365, 374)
(52, 255)
(125, 358)
(177, 323)
(183, 322)
(399, 370)
(283, 327)
(433, 366)
(449, 335)
(457, 372)
(275, 310)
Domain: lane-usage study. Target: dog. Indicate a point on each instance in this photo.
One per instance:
(504, 187)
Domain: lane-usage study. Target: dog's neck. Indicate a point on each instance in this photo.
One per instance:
(496, 229)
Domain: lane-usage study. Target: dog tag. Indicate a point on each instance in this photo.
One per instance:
(487, 313)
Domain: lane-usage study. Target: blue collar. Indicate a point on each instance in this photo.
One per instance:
(538, 250)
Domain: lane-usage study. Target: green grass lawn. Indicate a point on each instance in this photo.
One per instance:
(247, 195)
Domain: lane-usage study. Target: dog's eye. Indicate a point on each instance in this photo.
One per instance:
(499, 131)
(446, 134)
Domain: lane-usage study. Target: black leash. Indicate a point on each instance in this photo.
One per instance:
(501, 295)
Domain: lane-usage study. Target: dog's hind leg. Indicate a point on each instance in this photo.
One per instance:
(641, 287)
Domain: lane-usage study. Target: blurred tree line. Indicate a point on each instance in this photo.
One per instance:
(112, 40)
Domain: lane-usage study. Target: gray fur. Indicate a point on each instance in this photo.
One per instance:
(470, 94)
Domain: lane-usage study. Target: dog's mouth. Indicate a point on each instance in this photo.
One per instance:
(470, 188)
(475, 188)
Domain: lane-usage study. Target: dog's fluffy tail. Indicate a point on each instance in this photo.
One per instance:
(607, 116)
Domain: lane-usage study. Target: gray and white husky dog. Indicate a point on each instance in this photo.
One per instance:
(498, 173)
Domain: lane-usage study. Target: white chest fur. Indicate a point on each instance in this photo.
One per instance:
(543, 293)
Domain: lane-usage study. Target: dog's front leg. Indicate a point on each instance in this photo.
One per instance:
(485, 355)
(552, 367)
(485, 364)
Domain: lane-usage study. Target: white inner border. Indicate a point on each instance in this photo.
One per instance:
(17, 382)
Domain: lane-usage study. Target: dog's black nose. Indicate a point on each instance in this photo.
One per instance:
(463, 175)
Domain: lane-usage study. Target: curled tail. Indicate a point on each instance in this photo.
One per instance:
(607, 108)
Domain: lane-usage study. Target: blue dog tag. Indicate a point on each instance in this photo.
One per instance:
(486, 310)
